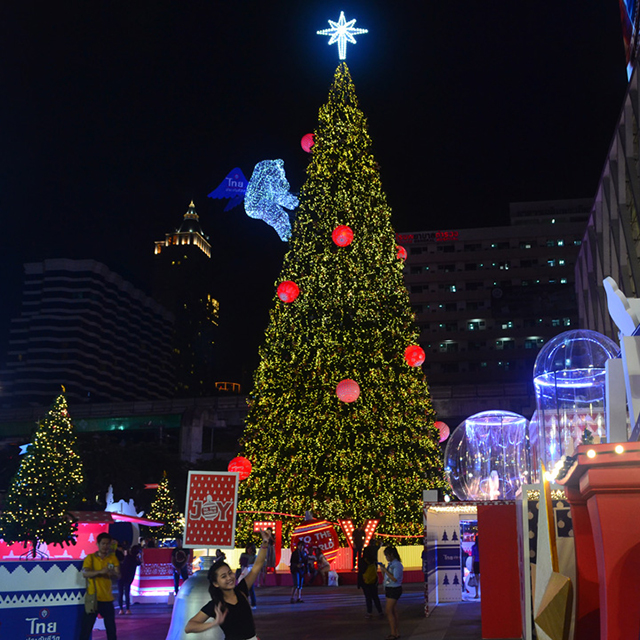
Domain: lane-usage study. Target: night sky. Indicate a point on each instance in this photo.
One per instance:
(115, 114)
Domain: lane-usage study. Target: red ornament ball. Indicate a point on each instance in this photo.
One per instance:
(342, 235)
(307, 142)
(241, 466)
(402, 253)
(288, 291)
(348, 390)
(414, 355)
(443, 428)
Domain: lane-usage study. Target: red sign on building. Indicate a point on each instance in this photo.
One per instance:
(210, 513)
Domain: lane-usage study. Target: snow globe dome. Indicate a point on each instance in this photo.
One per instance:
(569, 379)
(485, 457)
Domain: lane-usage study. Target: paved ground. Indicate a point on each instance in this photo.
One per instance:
(327, 612)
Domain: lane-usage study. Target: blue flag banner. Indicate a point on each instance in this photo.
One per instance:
(41, 599)
(232, 188)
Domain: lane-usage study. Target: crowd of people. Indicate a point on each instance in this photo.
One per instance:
(232, 590)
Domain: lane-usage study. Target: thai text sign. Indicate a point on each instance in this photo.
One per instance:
(210, 513)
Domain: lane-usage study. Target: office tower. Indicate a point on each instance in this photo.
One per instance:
(487, 299)
(182, 283)
(84, 327)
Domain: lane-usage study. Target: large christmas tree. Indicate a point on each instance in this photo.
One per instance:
(47, 484)
(352, 319)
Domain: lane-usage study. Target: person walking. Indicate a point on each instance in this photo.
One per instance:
(129, 561)
(368, 580)
(298, 568)
(392, 588)
(475, 554)
(358, 544)
(180, 561)
(229, 606)
(247, 560)
(98, 569)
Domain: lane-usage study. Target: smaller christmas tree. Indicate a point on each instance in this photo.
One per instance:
(164, 509)
(47, 484)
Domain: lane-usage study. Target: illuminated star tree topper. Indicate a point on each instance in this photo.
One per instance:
(342, 32)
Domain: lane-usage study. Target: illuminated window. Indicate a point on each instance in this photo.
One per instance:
(507, 325)
(577, 243)
(504, 265)
(566, 322)
(561, 262)
(555, 322)
(448, 347)
(452, 288)
(505, 344)
(563, 281)
(551, 243)
(475, 325)
(551, 262)
(526, 244)
(561, 243)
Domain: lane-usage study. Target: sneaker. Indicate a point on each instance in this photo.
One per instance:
(128, 612)
(120, 612)
(299, 600)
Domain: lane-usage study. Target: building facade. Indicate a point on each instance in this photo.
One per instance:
(84, 327)
(611, 244)
(487, 299)
(182, 282)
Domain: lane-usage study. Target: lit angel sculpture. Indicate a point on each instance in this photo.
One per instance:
(266, 195)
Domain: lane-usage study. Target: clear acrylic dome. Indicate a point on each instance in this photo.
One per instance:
(485, 457)
(569, 379)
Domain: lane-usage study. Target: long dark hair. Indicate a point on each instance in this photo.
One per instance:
(393, 552)
(216, 592)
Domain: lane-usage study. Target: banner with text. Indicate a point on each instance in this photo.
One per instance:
(210, 513)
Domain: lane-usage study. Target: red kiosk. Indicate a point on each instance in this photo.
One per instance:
(603, 490)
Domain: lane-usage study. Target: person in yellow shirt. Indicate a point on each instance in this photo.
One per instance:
(99, 569)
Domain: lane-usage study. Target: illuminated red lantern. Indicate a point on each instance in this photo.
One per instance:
(402, 253)
(307, 142)
(443, 428)
(414, 355)
(288, 291)
(241, 466)
(342, 235)
(348, 390)
(317, 533)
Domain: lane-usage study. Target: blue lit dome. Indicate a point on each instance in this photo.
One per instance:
(485, 457)
(569, 378)
(574, 351)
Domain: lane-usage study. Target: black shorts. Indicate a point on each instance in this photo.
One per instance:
(476, 567)
(392, 593)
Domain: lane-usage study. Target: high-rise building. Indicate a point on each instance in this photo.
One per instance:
(84, 327)
(487, 299)
(611, 243)
(182, 283)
